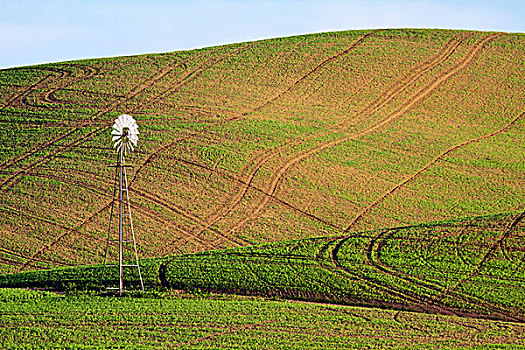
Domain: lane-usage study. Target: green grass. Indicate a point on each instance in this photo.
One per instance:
(454, 267)
(223, 322)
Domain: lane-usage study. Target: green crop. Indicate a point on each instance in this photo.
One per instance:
(49, 321)
(454, 267)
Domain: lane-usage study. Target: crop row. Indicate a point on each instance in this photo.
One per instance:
(49, 321)
(420, 268)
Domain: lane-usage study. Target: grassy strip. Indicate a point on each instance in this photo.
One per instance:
(438, 268)
(49, 321)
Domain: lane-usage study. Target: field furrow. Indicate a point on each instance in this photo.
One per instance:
(420, 94)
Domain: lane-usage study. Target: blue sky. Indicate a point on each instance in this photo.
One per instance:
(34, 31)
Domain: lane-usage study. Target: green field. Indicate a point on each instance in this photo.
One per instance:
(469, 268)
(261, 142)
(225, 322)
(377, 168)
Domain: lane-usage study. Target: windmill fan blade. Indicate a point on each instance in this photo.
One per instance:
(125, 142)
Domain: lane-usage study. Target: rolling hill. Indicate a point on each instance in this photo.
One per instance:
(381, 170)
(318, 135)
(471, 268)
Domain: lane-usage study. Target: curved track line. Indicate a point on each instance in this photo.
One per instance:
(25, 92)
(271, 154)
(417, 303)
(488, 255)
(449, 48)
(87, 73)
(136, 91)
(10, 163)
(418, 96)
(373, 252)
(315, 69)
(61, 74)
(426, 167)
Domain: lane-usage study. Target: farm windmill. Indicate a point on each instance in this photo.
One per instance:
(125, 136)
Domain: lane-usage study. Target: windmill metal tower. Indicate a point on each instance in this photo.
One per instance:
(125, 135)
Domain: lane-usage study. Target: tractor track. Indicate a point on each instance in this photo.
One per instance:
(61, 74)
(373, 257)
(426, 167)
(25, 92)
(315, 69)
(400, 85)
(88, 73)
(319, 259)
(269, 154)
(417, 304)
(412, 101)
(185, 235)
(114, 105)
(486, 257)
(179, 210)
(92, 72)
(187, 215)
(404, 83)
(53, 99)
(20, 213)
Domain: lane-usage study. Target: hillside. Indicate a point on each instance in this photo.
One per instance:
(251, 143)
(464, 268)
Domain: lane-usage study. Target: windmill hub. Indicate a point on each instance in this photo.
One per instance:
(125, 134)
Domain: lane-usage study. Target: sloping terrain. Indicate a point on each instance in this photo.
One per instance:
(307, 136)
(467, 268)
